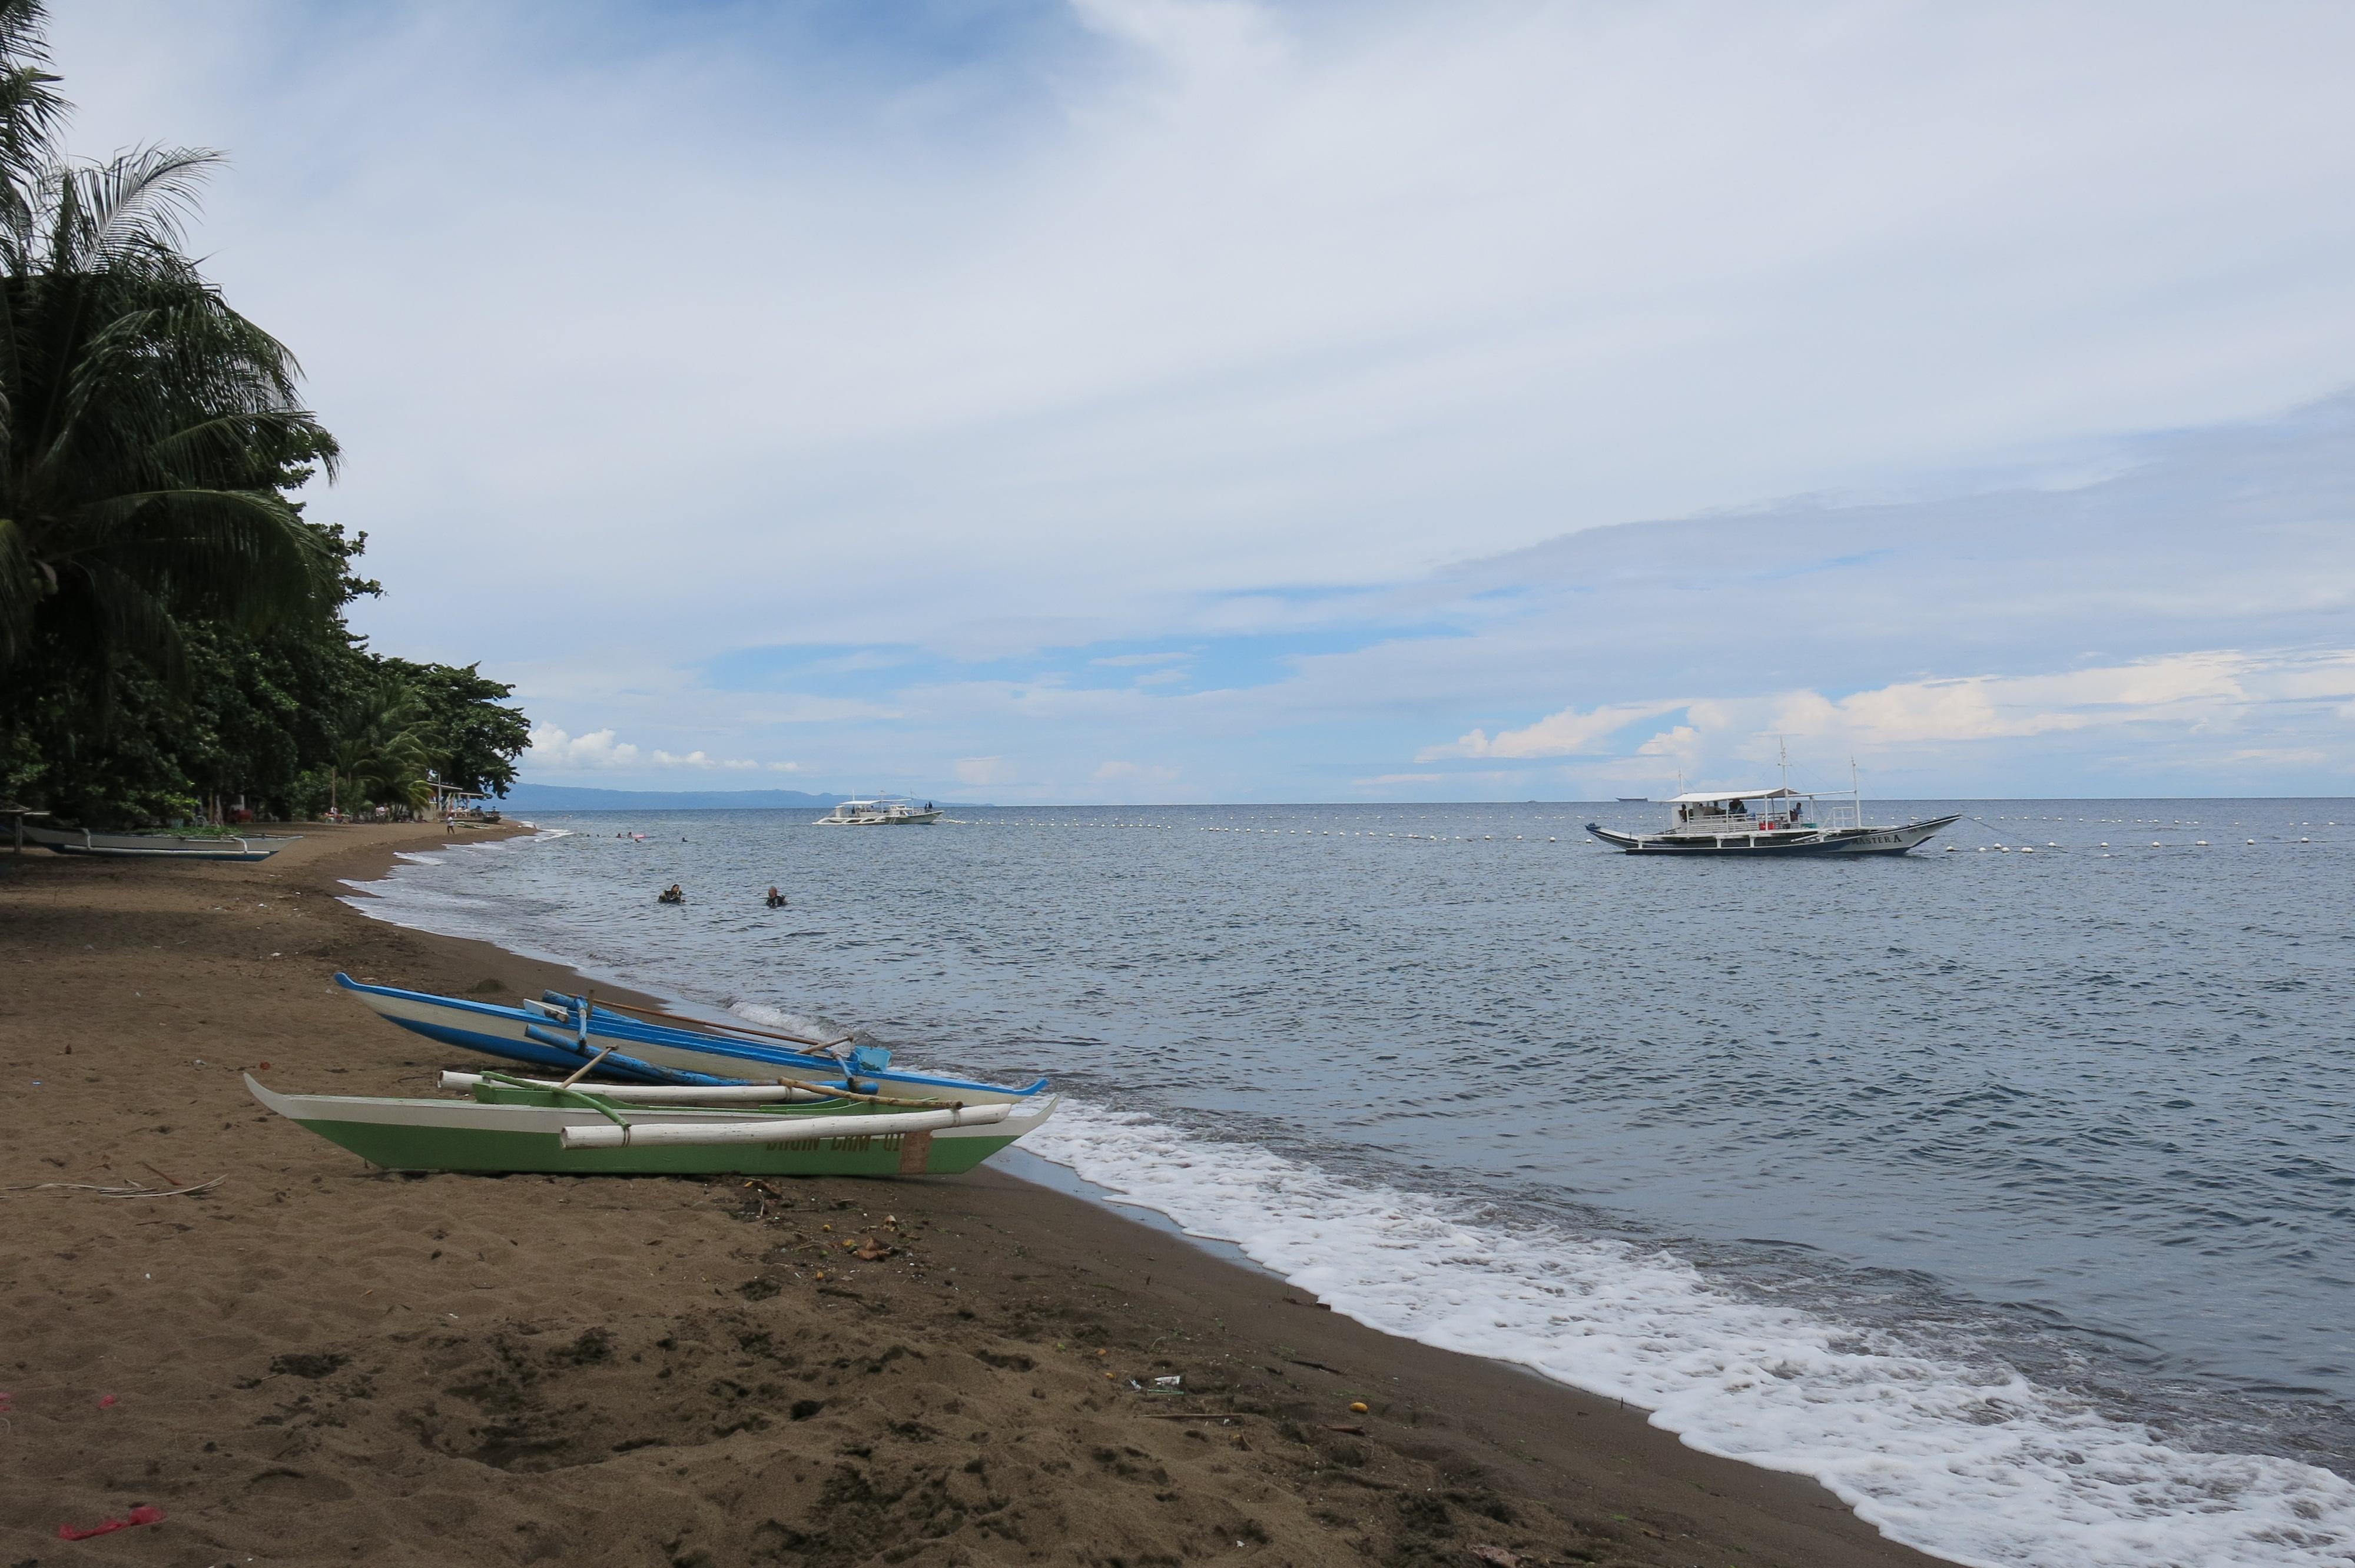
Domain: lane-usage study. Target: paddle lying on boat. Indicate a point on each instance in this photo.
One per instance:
(515, 1124)
(544, 1034)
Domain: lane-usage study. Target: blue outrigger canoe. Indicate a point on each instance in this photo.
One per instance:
(566, 1032)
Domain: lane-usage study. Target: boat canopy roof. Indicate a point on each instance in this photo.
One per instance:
(1706, 797)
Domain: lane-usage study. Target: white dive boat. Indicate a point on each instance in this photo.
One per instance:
(1783, 821)
(883, 811)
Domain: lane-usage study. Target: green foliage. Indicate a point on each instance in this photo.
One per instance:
(171, 625)
(473, 740)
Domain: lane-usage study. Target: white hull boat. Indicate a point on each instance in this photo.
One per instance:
(885, 811)
(1783, 822)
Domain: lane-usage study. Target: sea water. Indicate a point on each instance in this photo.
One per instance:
(2007, 1190)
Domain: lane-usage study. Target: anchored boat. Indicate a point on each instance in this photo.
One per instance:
(524, 1125)
(883, 811)
(1781, 821)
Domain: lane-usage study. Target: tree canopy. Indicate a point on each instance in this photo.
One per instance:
(171, 623)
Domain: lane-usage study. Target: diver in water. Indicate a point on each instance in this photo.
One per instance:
(671, 895)
(776, 900)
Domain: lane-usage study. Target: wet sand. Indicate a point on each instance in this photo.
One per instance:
(314, 1362)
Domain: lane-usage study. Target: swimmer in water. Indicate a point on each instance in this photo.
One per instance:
(671, 895)
(776, 900)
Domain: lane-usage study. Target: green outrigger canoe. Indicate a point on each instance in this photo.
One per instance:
(513, 1125)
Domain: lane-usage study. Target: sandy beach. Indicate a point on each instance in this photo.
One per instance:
(314, 1362)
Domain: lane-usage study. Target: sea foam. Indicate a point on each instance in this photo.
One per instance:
(1972, 1462)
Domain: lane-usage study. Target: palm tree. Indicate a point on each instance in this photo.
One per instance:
(145, 428)
(381, 752)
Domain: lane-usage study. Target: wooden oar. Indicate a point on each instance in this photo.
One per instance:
(587, 1067)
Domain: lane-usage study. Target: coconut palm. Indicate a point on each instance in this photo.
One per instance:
(145, 427)
(380, 754)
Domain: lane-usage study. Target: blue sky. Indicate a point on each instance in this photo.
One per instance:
(1203, 399)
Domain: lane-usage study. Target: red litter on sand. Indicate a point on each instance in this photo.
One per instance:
(145, 1513)
(104, 1400)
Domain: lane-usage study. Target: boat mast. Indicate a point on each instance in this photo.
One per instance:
(1856, 788)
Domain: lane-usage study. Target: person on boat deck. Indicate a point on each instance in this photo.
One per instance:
(671, 895)
(776, 899)
(1741, 808)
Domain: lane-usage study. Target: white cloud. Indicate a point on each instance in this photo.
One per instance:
(1320, 296)
(2182, 689)
(553, 750)
(983, 771)
(2182, 708)
(1564, 734)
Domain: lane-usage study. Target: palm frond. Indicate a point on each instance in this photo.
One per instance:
(139, 203)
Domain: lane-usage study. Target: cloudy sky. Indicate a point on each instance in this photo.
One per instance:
(1208, 399)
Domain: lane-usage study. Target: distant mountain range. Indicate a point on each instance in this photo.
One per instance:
(566, 798)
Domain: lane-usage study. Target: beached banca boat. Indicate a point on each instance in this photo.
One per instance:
(517, 1125)
(883, 811)
(1785, 821)
(155, 846)
(563, 1031)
